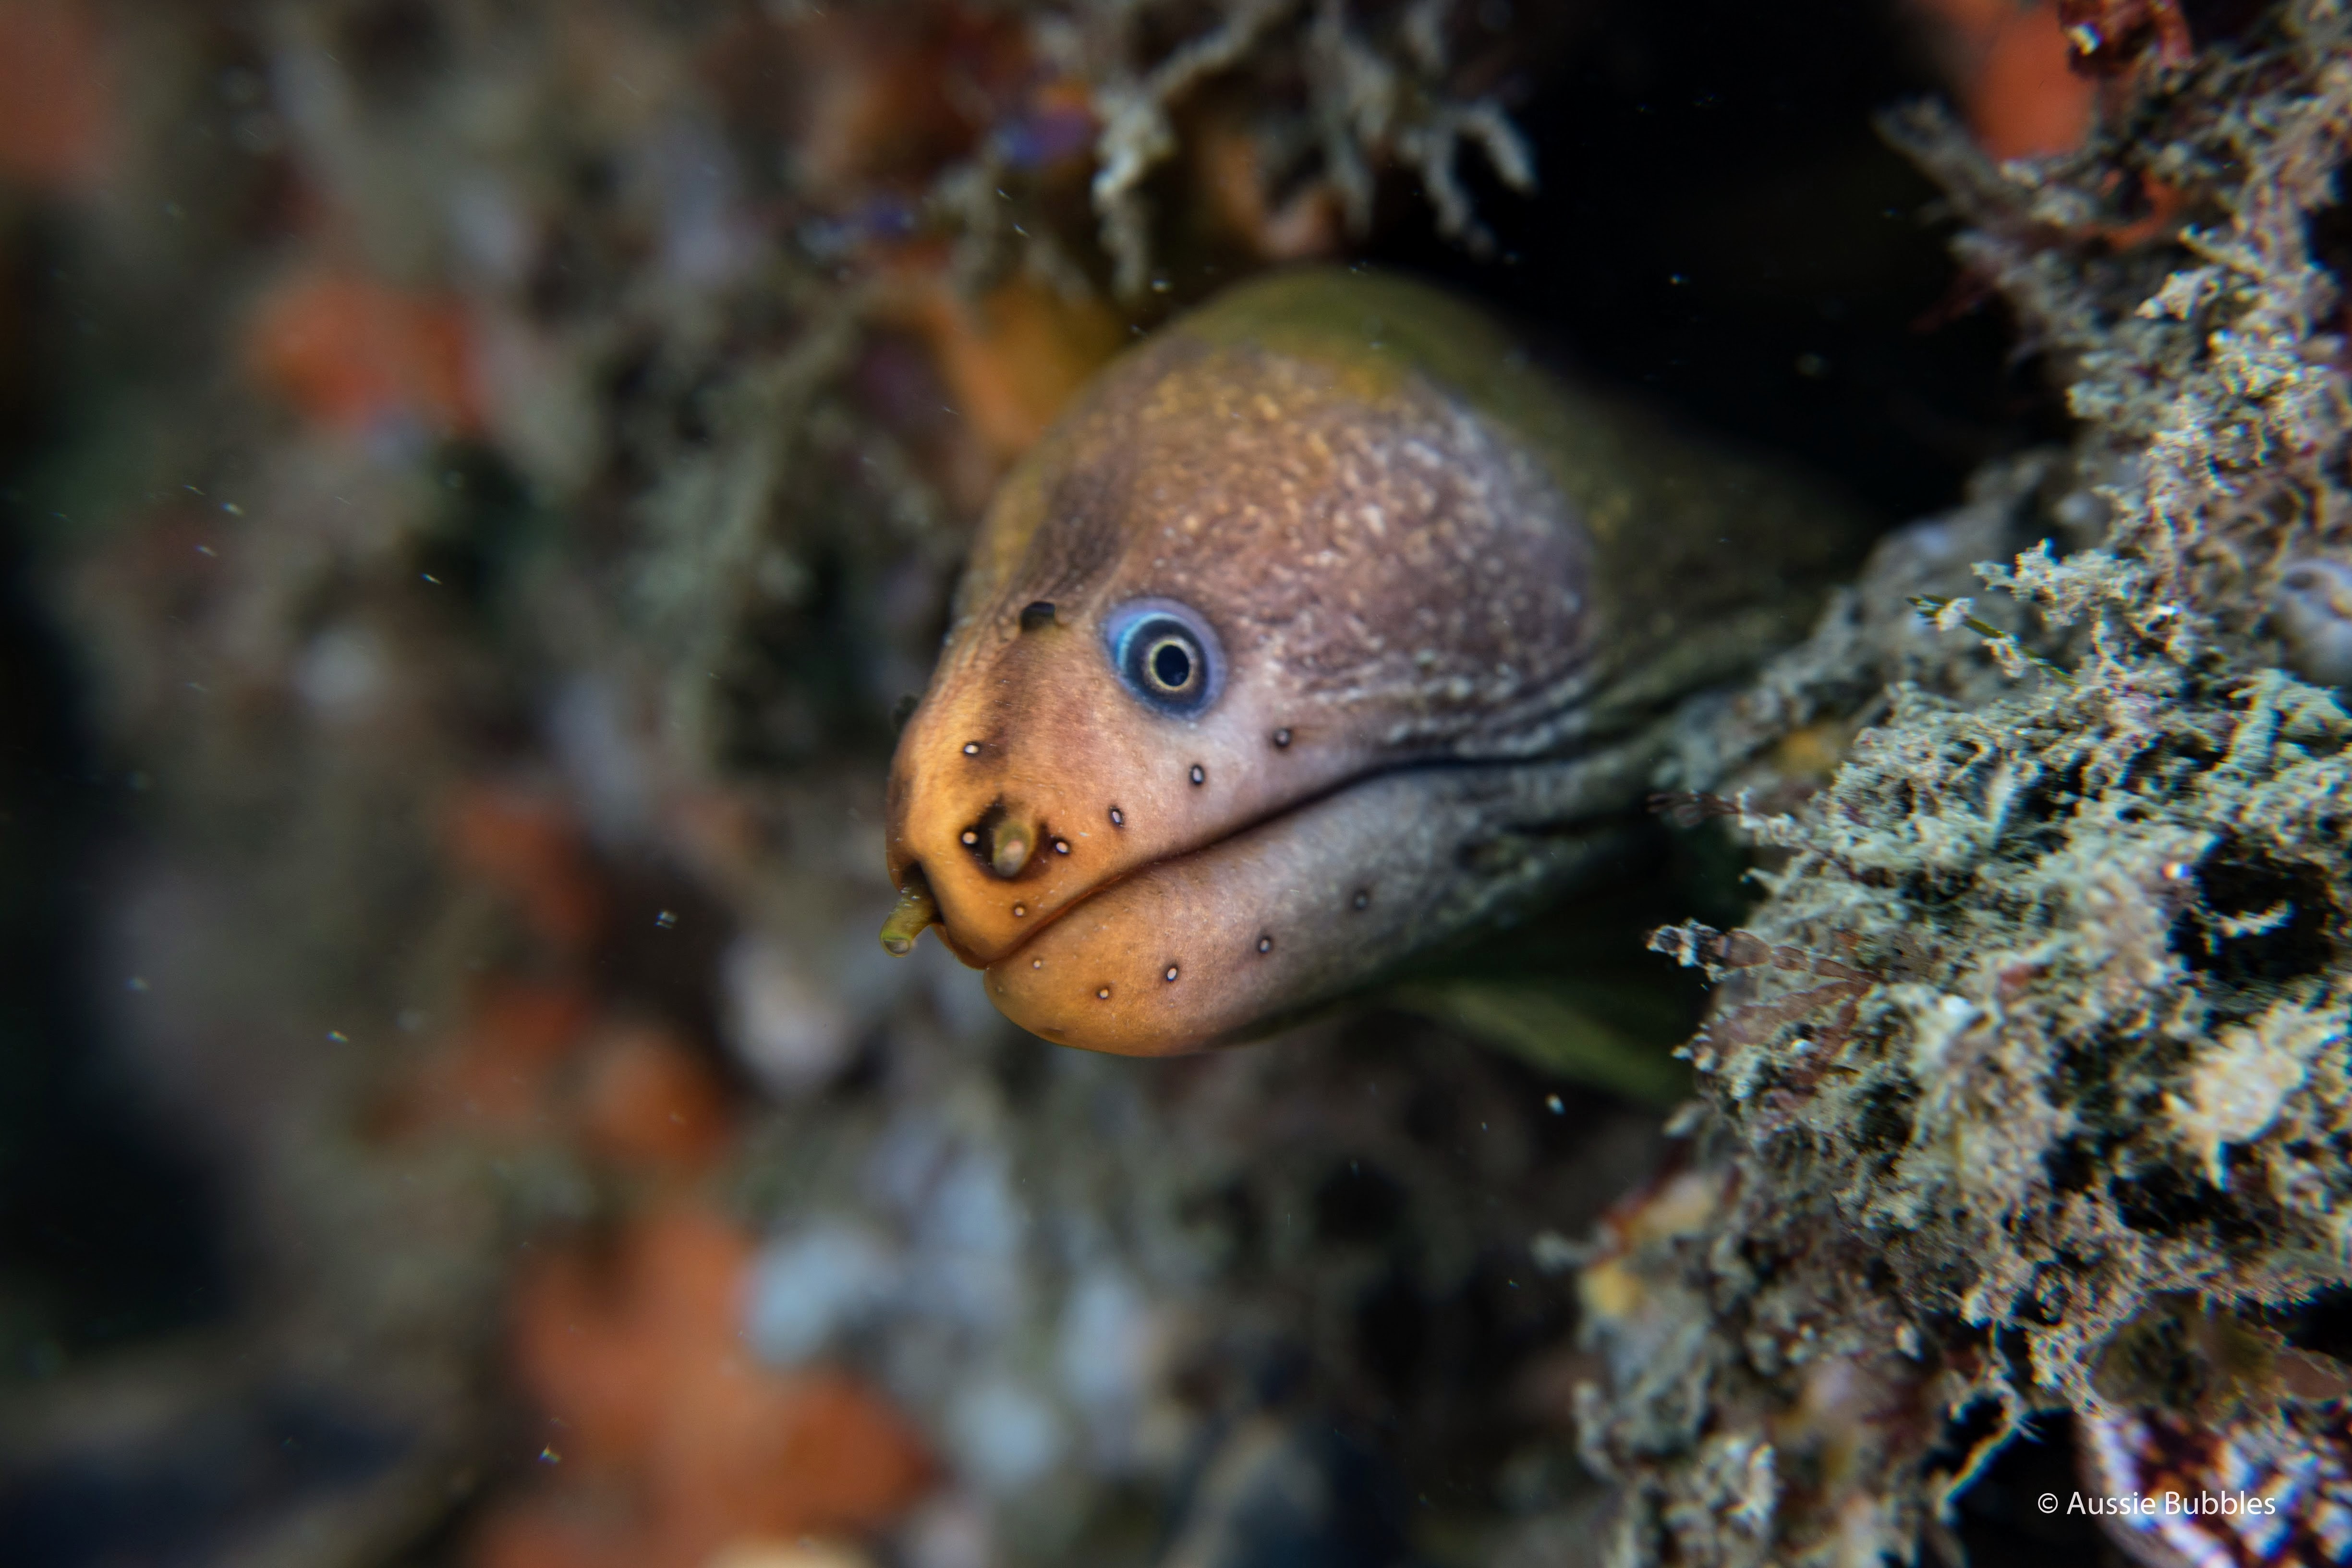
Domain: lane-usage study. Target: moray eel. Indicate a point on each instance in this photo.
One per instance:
(1323, 628)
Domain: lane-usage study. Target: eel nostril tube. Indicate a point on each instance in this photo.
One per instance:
(1010, 846)
(916, 908)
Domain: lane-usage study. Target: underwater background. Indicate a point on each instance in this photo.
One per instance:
(480, 480)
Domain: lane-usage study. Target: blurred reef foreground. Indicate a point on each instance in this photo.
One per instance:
(477, 479)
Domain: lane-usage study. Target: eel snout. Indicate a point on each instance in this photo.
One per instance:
(1032, 782)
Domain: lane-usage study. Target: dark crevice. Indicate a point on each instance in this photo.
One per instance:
(1720, 229)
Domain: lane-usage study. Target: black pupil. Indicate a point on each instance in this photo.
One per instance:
(1171, 665)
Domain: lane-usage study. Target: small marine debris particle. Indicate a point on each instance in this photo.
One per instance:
(666, 920)
(549, 1457)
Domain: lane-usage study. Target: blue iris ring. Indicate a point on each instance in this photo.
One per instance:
(1167, 655)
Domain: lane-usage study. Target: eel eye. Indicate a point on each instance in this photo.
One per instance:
(1166, 654)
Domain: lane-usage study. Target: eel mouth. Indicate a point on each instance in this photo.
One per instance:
(1267, 822)
(1226, 940)
(918, 909)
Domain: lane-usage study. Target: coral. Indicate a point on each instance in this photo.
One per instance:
(1376, 91)
(2039, 1031)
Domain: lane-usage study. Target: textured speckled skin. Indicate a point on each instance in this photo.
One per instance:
(1451, 594)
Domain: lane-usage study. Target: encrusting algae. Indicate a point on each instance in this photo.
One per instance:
(2034, 1055)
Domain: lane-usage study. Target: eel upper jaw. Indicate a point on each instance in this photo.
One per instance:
(1054, 916)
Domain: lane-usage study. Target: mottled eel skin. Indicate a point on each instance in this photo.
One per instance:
(1323, 628)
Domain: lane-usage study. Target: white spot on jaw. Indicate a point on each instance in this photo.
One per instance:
(1170, 975)
(971, 748)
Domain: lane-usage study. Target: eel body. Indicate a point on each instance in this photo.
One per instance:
(1323, 628)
